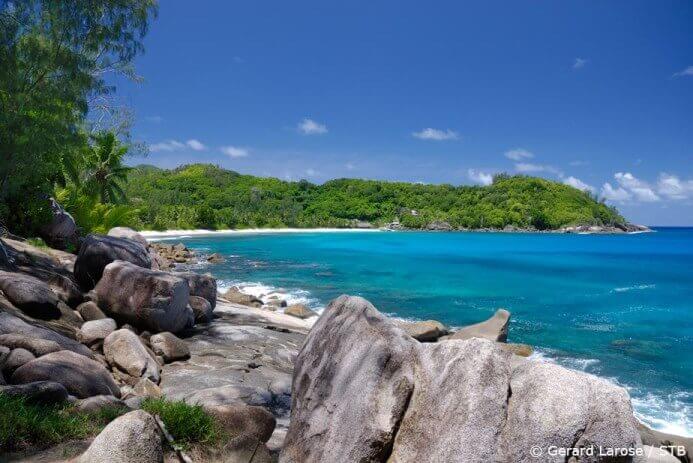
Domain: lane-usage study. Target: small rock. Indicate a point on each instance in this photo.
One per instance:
(16, 359)
(90, 311)
(125, 351)
(36, 346)
(493, 329)
(81, 376)
(96, 330)
(133, 438)
(276, 302)
(523, 350)
(300, 311)
(43, 392)
(145, 388)
(215, 258)
(69, 316)
(170, 347)
(237, 297)
(240, 419)
(201, 308)
(98, 402)
(426, 331)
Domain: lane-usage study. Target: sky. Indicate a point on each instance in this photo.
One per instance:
(595, 94)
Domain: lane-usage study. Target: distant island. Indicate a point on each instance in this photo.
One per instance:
(210, 197)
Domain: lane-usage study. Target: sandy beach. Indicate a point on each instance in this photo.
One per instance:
(152, 234)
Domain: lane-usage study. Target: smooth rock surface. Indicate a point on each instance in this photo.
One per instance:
(98, 402)
(125, 351)
(10, 324)
(81, 376)
(41, 392)
(425, 331)
(90, 311)
(36, 346)
(31, 295)
(169, 346)
(133, 438)
(240, 419)
(96, 330)
(97, 251)
(235, 296)
(299, 311)
(128, 233)
(201, 308)
(16, 359)
(493, 329)
(148, 299)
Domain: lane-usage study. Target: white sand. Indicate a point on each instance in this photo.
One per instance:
(251, 231)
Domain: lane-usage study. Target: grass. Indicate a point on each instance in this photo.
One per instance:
(37, 242)
(24, 425)
(188, 424)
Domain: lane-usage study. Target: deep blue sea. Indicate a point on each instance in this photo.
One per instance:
(618, 306)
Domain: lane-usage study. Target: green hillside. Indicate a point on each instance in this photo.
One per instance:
(206, 196)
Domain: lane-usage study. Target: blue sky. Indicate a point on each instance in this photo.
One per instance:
(596, 94)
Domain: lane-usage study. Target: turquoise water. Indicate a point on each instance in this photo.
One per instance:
(618, 306)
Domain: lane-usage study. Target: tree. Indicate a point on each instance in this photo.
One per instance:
(103, 169)
(54, 58)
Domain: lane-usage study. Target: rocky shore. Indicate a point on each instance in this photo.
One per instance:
(114, 325)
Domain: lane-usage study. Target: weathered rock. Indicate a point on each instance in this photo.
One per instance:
(147, 299)
(61, 284)
(201, 285)
(349, 396)
(493, 329)
(43, 392)
(245, 449)
(70, 317)
(81, 376)
(234, 295)
(523, 350)
(124, 351)
(439, 225)
(215, 258)
(201, 308)
(61, 231)
(426, 331)
(90, 311)
(133, 438)
(656, 455)
(299, 311)
(553, 406)
(240, 419)
(99, 402)
(96, 330)
(16, 359)
(276, 303)
(97, 251)
(170, 347)
(36, 346)
(463, 386)
(4, 353)
(145, 388)
(683, 446)
(128, 233)
(31, 295)
(9, 324)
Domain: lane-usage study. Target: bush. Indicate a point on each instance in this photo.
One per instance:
(188, 424)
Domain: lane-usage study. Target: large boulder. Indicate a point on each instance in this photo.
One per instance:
(31, 295)
(202, 309)
(148, 299)
(169, 347)
(201, 285)
(97, 251)
(494, 329)
(128, 233)
(351, 385)
(9, 324)
(42, 392)
(133, 437)
(81, 376)
(365, 391)
(125, 351)
(61, 230)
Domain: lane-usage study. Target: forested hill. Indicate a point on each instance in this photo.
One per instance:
(206, 196)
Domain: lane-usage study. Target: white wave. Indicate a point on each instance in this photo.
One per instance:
(632, 288)
(265, 292)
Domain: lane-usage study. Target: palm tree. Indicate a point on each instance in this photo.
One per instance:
(104, 170)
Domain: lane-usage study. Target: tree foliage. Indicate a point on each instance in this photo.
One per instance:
(54, 59)
(206, 196)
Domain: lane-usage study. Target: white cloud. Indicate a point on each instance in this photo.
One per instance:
(638, 188)
(579, 63)
(310, 127)
(529, 168)
(235, 151)
(435, 134)
(195, 145)
(577, 183)
(686, 72)
(175, 145)
(673, 187)
(311, 172)
(518, 154)
(477, 176)
(350, 166)
(614, 194)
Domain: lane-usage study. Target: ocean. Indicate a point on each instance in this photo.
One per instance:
(617, 306)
